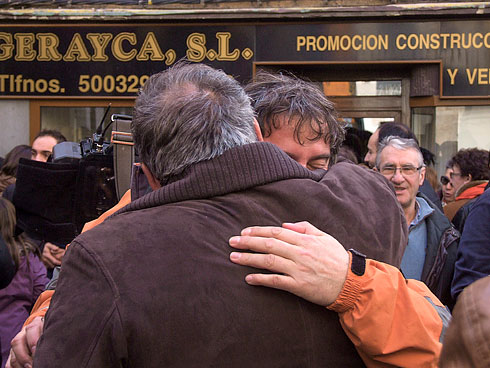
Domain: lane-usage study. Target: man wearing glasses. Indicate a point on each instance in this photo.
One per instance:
(432, 242)
(469, 176)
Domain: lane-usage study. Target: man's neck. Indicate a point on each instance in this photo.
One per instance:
(410, 212)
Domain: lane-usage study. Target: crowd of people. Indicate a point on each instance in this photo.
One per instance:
(263, 184)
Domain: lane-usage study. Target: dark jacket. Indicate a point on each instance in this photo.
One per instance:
(427, 190)
(460, 217)
(474, 250)
(442, 247)
(153, 286)
(7, 266)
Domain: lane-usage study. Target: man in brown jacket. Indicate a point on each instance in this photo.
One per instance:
(467, 343)
(153, 285)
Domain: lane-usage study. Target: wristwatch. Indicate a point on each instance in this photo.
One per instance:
(358, 264)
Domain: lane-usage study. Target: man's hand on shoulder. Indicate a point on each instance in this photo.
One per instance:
(308, 262)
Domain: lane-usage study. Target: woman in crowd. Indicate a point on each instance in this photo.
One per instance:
(17, 299)
(8, 170)
(469, 178)
(447, 190)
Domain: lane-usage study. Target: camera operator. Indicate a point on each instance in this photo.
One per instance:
(43, 144)
(42, 148)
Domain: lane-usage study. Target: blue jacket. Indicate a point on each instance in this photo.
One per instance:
(473, 260)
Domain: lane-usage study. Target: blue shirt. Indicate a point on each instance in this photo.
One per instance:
(414, 257)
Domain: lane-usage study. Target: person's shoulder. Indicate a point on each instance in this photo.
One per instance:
(424, 200)
(470, 314)
(355, 172)
(451, 208)
(355, 179)
(437, 218)
(113, 232)
(483, 200)
(430, 193)
(479, 207)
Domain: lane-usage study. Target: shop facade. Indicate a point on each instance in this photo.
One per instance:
(429, 70)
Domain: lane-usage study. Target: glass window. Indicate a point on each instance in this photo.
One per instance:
(446, 129)
(363, 88)
(77, 123)
(423, 126)
(365, 123)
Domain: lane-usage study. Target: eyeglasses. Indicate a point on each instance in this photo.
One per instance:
(445, 180)
(406, 171)
(453, 174)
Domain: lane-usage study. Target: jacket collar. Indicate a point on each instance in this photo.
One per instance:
(471, 190)
(237, 169)
(423, 211)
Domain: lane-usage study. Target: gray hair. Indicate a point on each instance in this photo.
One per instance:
(187, 114)
(399, 144)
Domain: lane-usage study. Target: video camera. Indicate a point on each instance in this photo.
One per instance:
(55, 199)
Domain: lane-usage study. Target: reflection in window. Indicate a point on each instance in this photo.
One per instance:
(77, 123)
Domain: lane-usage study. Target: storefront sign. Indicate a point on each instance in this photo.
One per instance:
(115, 60)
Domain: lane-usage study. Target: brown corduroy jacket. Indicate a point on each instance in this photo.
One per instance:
(153, 285)
(467, 342)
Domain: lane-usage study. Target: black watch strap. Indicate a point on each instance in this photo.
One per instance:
(358, 264)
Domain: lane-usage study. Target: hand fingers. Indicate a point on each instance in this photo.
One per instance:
(53, 260)
(303, 227)
(280, 282)
(306, 228)
(263, 261)
(289, 236)
(33, 333)
(21, 353)
(59, 256)
(50, 246)
(55, 251)
(9, 364)
(50, 261)
(12, 361)
(263, 245)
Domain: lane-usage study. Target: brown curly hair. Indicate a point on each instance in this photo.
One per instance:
(277, 95)
(474, 162)
(17, 245)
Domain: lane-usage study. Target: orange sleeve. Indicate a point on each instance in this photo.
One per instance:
(42, 303)
(41, 306)
(125, 200)
(393, 322)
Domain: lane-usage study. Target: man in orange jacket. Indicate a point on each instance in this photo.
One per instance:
(356, 296)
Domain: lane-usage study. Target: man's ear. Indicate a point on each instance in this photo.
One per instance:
(154, 183)
(260, 138)
(422, 176)
(469, 178)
